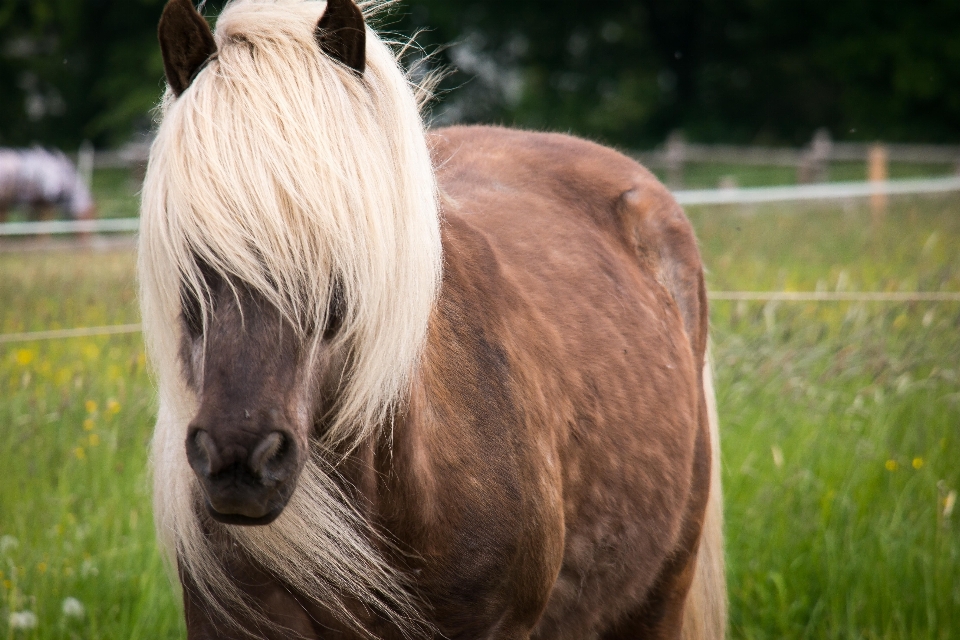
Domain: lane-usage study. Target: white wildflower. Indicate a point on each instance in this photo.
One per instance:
(72, 608)
(88, 569)
(7, 543)
(23, 620)
(948, 504)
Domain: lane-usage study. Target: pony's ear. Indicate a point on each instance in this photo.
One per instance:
(342, 35)
(186, 43)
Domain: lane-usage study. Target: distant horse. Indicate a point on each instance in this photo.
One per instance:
(42, 181)
(442, 384)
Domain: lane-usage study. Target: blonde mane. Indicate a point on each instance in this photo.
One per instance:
(282, 169)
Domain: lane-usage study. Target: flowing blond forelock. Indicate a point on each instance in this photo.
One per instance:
(280, 168)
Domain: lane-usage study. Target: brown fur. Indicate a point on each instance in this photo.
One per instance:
(548, 475)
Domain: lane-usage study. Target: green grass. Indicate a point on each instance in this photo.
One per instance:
(702, 175)
(840, 422)
(75, 421)
(116, 192)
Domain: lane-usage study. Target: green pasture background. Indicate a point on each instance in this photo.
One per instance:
(840, 427)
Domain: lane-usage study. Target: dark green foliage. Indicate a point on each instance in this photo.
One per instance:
(723, 70)
(77, 69)
(768, 71)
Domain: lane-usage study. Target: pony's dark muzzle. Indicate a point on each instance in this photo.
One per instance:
(244, 480)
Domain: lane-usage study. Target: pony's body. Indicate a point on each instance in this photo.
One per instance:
(550, 471)
(548, 466)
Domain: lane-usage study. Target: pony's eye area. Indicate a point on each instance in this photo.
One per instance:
(191, 312)
(335, 312)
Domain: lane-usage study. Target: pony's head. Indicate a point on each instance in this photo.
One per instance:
(289, 248)
(289, 264)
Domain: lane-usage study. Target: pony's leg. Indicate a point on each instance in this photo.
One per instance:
(43, 212)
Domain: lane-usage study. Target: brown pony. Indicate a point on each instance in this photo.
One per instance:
(444, 384)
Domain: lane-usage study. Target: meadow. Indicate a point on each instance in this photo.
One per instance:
(840, 426)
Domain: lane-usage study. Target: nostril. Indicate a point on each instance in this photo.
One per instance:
(202, 453)
(267, 459)
(267, 448)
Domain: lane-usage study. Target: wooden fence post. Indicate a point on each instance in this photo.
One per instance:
(878, 173)
(815, 162)
(85, 161)
(674, 157)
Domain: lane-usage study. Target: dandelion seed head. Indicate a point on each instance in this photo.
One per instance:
(8, 543)
(89, 568)
(72, 608)
(23, 620)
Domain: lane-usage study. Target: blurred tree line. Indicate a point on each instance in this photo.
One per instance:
(627, 72)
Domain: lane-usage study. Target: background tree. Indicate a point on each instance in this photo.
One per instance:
(77, 69)
(758, 71)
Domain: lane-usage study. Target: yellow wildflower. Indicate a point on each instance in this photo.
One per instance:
(88, 424)
(113, 407)
(91, 406)
(917, 463)
(24, 356)
(891, 465)
(94, 440)
(42, 567)
(80, 453)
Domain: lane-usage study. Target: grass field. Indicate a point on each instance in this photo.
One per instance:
(709, 175)
(840, 423)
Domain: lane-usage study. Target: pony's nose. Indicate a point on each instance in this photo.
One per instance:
(266, 461)
(245, 480)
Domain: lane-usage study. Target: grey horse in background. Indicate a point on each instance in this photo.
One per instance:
(43, 181)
